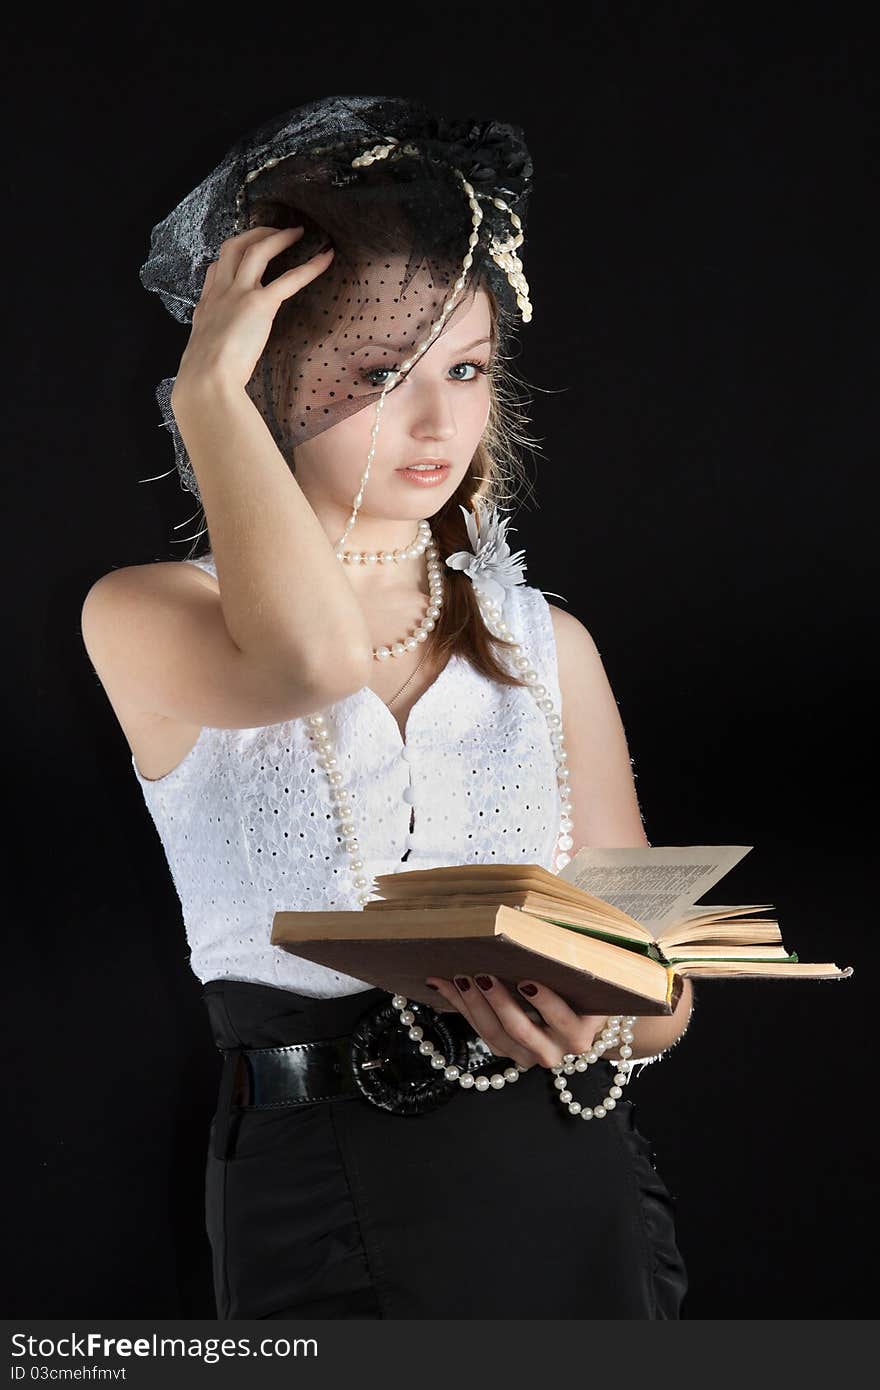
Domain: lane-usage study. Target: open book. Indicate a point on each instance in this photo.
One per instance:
(614, 932)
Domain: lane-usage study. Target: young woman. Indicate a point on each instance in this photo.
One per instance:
(304, 715)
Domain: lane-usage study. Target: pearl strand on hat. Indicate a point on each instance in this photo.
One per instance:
(504, 255)
(502, 252)
(326, 757)
(476, 219)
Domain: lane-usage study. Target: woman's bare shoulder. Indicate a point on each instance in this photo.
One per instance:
(582, 675)
(572, 638)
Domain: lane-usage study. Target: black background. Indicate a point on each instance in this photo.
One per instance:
(701, 256)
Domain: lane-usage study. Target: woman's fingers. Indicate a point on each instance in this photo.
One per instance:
(257, 254)
(523, 1041)
(300, 275)
(501, 1021)
(575, 1031)
(233, 319)
(233, 249)
(497, 1002)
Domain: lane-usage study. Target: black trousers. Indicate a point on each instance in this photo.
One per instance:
(495, 1205)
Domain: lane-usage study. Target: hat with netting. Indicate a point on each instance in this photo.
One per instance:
(422, 210)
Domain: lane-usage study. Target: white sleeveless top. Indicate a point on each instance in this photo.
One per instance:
(247, 826)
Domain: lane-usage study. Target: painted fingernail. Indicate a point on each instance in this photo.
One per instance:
(528, 989)
(430, 986)
(483, 981)
(463, 983)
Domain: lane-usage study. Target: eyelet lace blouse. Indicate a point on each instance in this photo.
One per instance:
(247, 827)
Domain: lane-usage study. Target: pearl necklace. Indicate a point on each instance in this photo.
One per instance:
(617, 1026)
(425, 542)
(412, 551)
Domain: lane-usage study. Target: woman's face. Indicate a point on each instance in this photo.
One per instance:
(439, 411)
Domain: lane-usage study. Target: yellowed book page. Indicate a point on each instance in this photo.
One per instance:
(774, 969)
(656, 885)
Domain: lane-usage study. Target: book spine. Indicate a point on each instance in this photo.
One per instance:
(670, 982)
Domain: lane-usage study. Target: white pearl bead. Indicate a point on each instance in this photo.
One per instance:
(482, 1083)
(599, 1111)
(466, 1080)
(496, 1080)
(511, 1074)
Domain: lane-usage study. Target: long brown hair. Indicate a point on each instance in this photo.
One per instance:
(495, 475)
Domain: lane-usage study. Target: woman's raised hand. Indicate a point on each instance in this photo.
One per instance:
(501, 1021)
(233, 318)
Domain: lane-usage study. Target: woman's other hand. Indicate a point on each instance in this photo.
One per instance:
(500, 1019)
(233, 319)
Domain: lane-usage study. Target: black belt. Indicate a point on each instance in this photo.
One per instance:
(377, 1062)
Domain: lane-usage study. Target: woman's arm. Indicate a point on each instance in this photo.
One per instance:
(603, 794)
(283, 592)
(605, 807)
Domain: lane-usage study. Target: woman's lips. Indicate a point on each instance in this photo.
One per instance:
(425, 477)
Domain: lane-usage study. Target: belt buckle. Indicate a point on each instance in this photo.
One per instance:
(388, 1068)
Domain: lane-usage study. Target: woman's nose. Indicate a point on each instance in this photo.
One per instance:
(432, 414)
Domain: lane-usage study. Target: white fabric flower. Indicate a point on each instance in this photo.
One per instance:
(489, 565)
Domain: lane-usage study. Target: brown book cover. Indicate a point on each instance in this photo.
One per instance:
(395, 950)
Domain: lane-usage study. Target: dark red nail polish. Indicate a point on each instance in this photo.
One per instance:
(430, 986)
(483, 981)
(528, 989)
(463, 983)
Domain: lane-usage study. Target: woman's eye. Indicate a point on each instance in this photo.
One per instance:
(478, 368)
(390, 371)
(379, 370)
